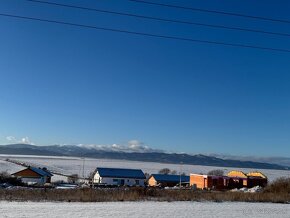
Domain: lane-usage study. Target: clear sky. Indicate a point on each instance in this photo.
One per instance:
(67, 85)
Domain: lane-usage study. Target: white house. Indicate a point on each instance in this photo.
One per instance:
(119, 177)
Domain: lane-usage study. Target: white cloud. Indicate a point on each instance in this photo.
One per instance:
(132, 146)
(23, 140)
(11, 138)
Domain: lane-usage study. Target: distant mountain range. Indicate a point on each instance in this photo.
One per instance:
(149, 156)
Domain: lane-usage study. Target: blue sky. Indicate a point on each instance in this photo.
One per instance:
(67, 85)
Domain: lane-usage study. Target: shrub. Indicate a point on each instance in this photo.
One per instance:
(74, 178)
(165, 171)
(7, 178)
(280, 185)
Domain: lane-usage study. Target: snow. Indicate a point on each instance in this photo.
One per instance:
(9, 167)
(74, 165)
(251, 190)
(143, 209)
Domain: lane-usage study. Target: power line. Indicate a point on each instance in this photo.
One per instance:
(212, 11)
(161, 19)
(146, 34)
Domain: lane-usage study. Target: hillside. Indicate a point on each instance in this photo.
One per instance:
(161, 157)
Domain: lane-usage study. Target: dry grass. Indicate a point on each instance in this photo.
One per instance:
(137, 194)
(277, 192)
(280, 185)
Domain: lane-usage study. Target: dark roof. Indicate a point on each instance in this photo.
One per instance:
(39, 171)
(170, 178)
(120, 173)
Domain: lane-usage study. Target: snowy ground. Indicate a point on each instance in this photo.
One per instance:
(143, 209)
(71, 165)
(9, 167)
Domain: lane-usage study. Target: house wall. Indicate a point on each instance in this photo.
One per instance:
(218, 182)
(152, 181)
(200, 181)
(252, 182)
(118, 181)
(37, 180)
(209, 182)
(97, 178)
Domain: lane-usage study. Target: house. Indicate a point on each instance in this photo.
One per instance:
(201, 181)
(119, 177)
(239, 179)
(163, 180)
(33, 175)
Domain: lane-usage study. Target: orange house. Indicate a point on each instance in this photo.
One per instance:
(162, 180)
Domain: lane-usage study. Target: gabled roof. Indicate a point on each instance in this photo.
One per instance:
(120, 173)
(170, 178)
(39, 171)
(237, 174)
(256, 174)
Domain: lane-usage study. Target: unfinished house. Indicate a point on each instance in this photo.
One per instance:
(201, 181)
(239, 179)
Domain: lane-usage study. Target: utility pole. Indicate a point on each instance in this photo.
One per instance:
(180, 175)
(83, 170)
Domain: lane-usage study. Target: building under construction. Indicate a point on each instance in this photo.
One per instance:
(234, 179)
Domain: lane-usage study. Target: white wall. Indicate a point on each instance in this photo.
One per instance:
(39, 181)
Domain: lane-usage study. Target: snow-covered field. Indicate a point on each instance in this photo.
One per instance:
(143, 209)
(9, 167)
(72, 165)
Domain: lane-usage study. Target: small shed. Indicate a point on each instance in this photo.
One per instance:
(34, 176)
(119, 177)
(165, 180)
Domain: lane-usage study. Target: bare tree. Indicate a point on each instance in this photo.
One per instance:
(216, 172)
(165, 171)
(147, 175)
(91, 175)
(173, 172)
(74, 178)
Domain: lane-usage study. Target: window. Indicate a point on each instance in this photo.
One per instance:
(137, 182)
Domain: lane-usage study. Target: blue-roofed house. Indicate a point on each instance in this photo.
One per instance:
(119, 177)
(34, 176)
(163, 180)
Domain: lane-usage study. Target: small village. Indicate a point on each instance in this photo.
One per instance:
(215, 180)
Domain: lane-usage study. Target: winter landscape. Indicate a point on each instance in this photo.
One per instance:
(76, 165)
(144, 108)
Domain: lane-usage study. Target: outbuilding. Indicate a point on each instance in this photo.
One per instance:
(119, 177)
(34, 176)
